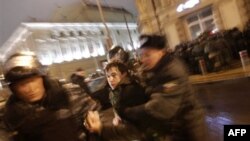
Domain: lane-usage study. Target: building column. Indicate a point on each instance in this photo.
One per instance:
(247, 4)
(181, 30)
(244, 9)
(217, 17)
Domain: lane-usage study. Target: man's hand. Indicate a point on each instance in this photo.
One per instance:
(93, 122)
(116, 120)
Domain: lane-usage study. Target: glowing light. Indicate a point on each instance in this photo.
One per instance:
(76, 51)
(55, 50)
(46, 61)
(180, 8)
(215, 30)
(100, 49)
(66, 50)
(88, 25)
(136, 45)
(42, 53)
(129, 47)
(84, 47)
(93, 49)
(187, 5)
(45, 58)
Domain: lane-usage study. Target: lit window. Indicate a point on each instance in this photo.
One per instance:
(200, 21)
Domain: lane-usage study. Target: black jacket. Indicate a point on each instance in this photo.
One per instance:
(80, 80)
(128, 93)
(172, 112)
(51, 119)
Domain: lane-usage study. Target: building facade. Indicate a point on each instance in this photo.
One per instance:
(184, 20)
(73, 37)
(69, 45)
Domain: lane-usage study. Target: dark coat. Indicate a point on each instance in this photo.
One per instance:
(173, 112)
(80, 80)
(128, 93)
(102, 96)
(51, 119)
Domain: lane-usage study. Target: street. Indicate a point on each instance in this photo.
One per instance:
(225, 102)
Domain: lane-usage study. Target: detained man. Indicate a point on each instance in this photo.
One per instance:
(124, 92)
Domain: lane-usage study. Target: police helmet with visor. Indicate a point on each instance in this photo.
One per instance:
(22, 65)
(118, 53)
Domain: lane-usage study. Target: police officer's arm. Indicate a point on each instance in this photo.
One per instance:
(164, 102)
(160, 105)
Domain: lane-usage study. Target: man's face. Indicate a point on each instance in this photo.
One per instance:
(150, 57)
(30, 89)
(114, 76)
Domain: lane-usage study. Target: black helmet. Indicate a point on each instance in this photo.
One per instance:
(152, 41)
(22, 65)
(119, 53)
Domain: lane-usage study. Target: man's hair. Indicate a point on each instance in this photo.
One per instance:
(117, 64)
(152, 41)
(120, 52)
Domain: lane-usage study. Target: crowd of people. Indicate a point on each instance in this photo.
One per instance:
(147, 101)
(217, 49)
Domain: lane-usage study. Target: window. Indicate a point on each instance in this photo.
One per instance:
(192, 18)
(200, 21)
(195, 30)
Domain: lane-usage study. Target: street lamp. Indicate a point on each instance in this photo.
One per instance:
(109, 39)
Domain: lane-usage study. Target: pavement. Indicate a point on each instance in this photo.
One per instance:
(225, 97)
(225, 103)
(233, 73)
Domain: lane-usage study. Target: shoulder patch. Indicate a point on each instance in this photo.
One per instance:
(170, 86)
